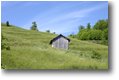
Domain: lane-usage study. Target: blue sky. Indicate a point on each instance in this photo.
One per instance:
(60, 17)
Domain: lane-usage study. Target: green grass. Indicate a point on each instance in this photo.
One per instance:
(31, 50)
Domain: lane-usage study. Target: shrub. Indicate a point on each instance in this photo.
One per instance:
(98, 32)
(86, 34)
(105, 34)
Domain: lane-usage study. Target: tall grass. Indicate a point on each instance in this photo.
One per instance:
(31, 50)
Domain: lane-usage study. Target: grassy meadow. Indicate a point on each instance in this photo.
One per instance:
(31, 50)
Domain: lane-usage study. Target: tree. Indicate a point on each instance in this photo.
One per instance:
(105, 34)
(7, 23)
(101, 25)
(83, 34)
(53, 32)
(72, 35)
(81, 27)
(98, 32)
(91, 34)
(34, 26)
(48, 31)
(88, 26)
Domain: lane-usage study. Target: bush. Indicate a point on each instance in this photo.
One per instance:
(98, 32)
(91, 34)
(105, 34)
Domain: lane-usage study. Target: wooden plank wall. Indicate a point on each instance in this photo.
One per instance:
(61, 43)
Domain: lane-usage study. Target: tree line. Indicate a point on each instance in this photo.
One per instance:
(97, 32)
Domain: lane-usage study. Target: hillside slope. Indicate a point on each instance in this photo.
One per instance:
(31, 50)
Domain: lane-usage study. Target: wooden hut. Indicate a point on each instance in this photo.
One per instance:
(60, 42)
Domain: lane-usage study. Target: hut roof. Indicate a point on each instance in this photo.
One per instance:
(54, 39)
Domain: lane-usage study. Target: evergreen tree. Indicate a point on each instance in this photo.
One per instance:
(88, 26)
(34, 26)
(81, 27)
(48, 31)
(7, 23)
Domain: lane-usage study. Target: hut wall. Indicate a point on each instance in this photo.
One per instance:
(61, 43)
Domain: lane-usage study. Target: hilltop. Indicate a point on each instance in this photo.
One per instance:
(31, 50)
